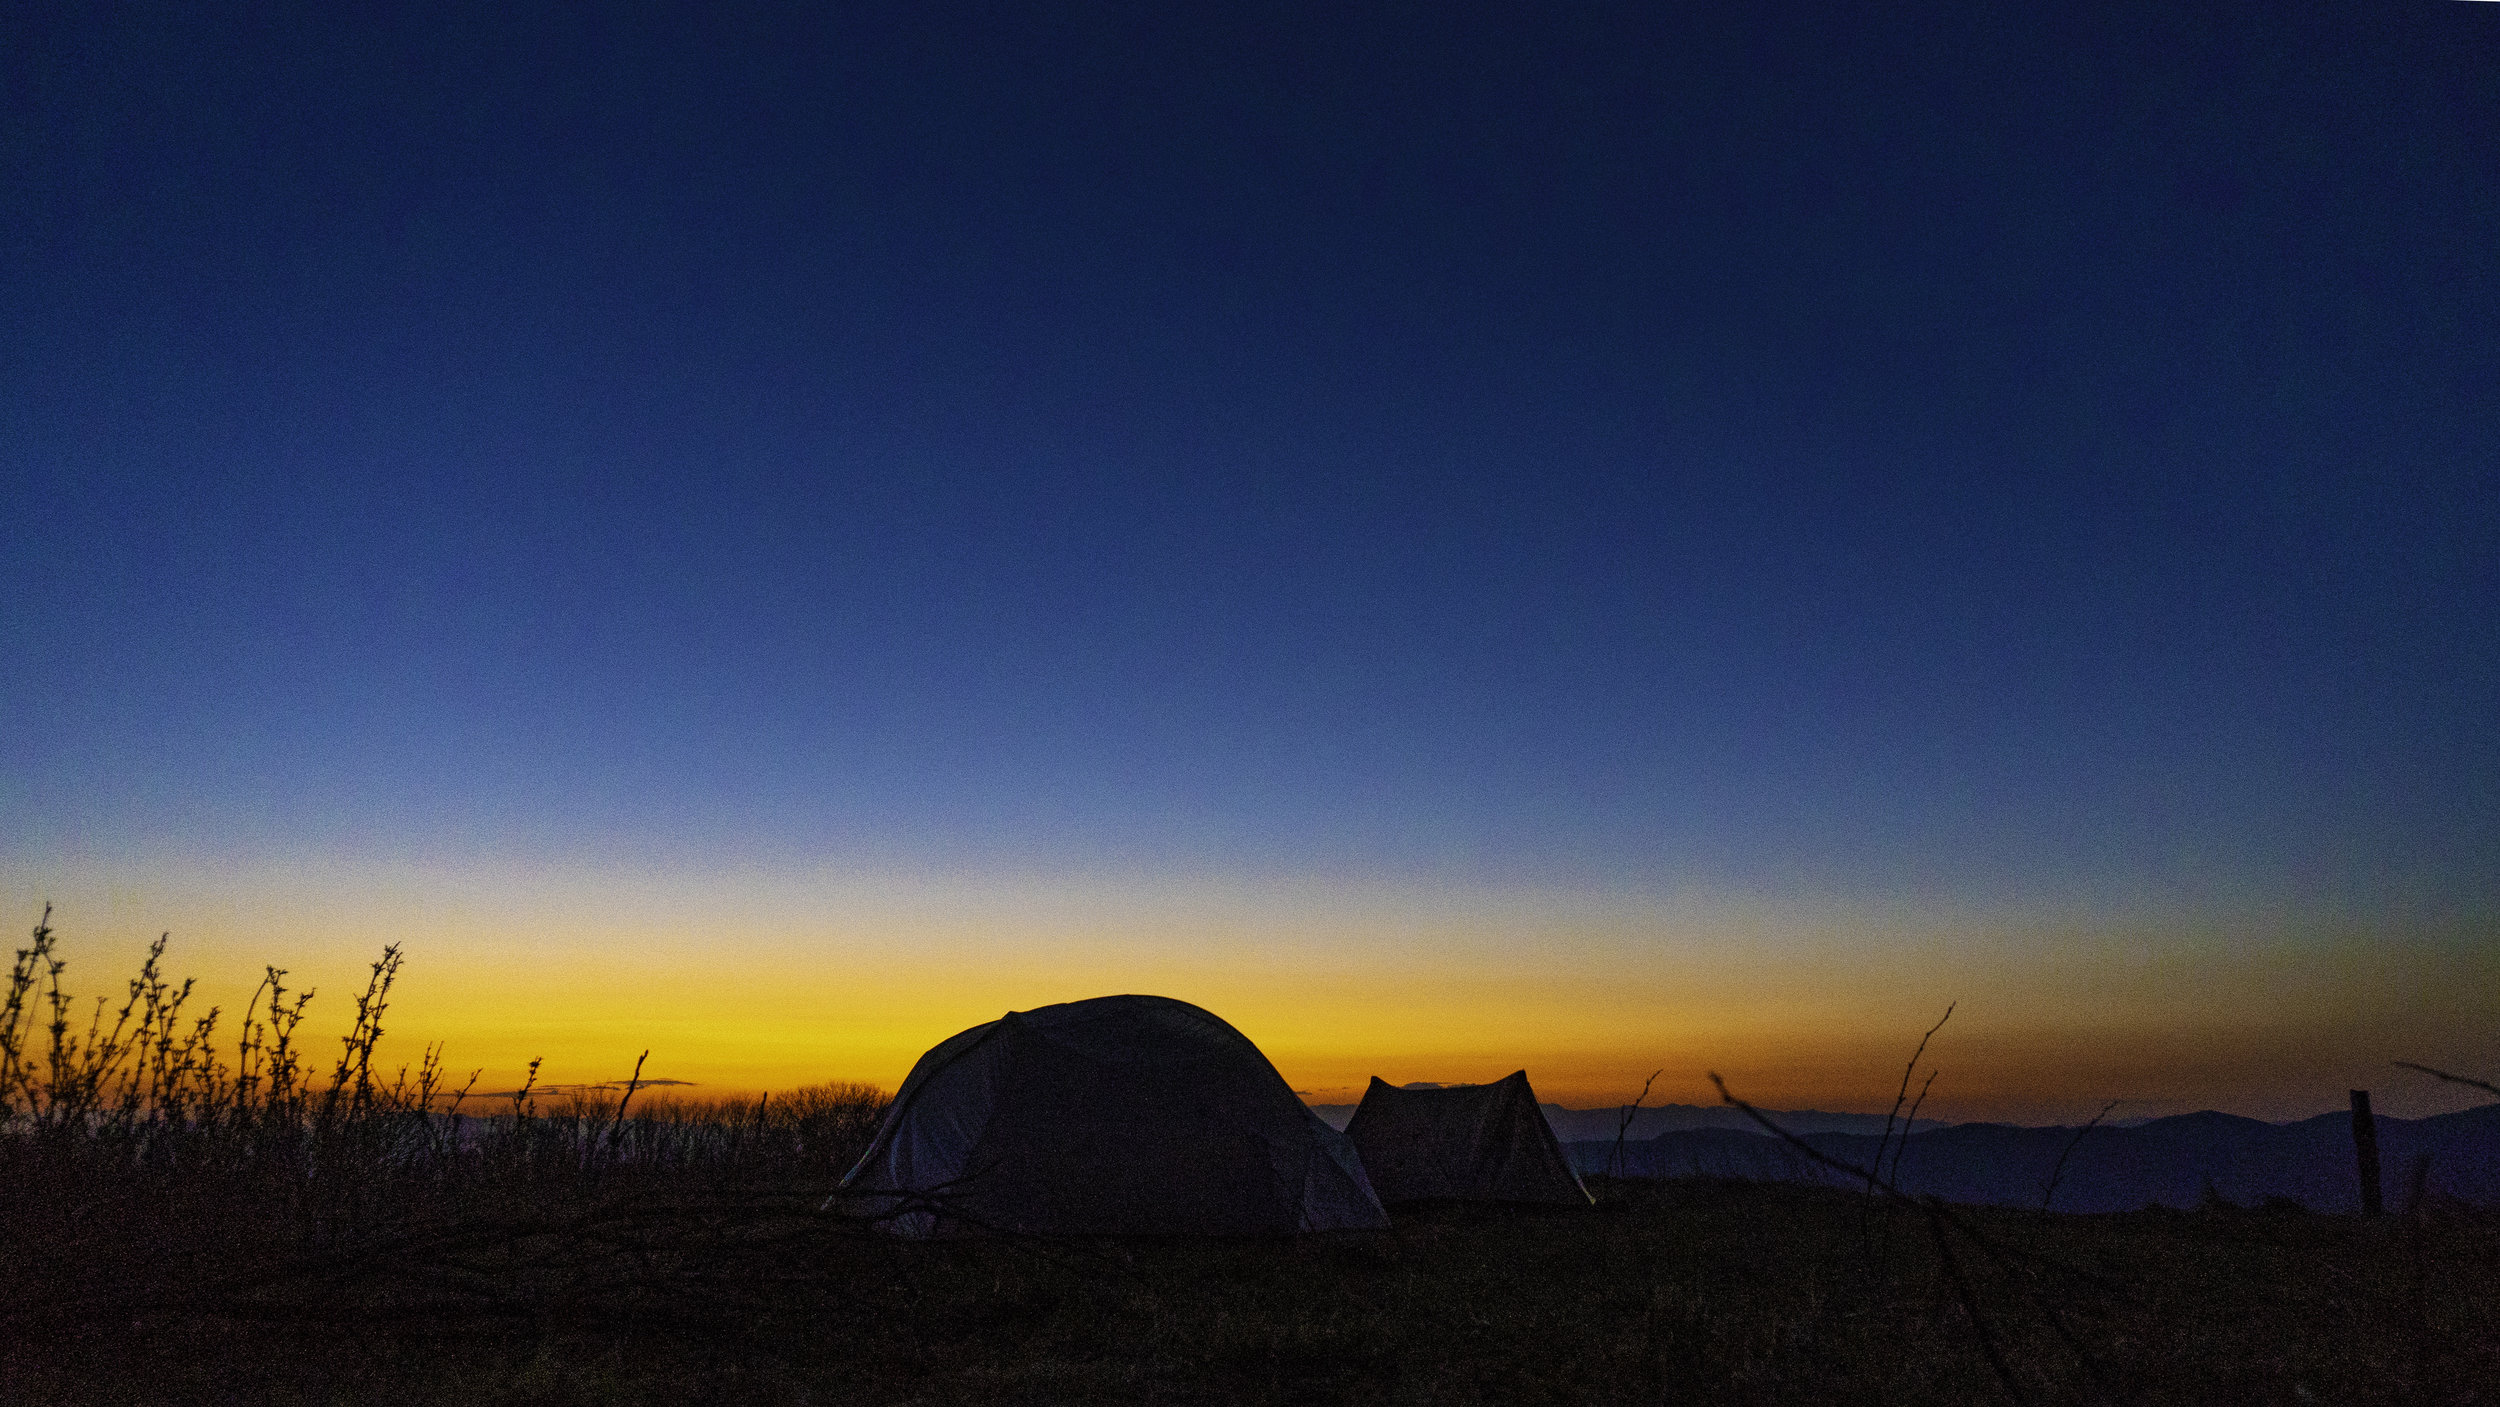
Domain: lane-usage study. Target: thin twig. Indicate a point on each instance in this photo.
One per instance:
(1970, 1310)
(1853, 1172)
(1614, 1166)
(1940, 1216)
(617, 1124)
(1910, 1125)
(2060, 1170)
(2484, 1086)
(1899, 1099)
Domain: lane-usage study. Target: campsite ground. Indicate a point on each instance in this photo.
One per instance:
(1667, 1292)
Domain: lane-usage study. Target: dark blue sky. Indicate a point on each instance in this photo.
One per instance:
(2023, 450)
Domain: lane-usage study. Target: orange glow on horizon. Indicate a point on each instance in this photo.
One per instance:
(747, 982)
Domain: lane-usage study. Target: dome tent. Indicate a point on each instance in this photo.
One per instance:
(1477, 1143)
(1127, 1115)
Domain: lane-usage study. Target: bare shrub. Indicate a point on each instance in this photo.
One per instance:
(152, 1164)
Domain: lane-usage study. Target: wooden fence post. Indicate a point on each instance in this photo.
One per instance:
(2365, 1151)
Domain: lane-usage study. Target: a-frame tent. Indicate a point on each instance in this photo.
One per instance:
(1128, 1115)
(1475, 1143)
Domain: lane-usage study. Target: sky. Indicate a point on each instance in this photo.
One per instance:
(1594, 537)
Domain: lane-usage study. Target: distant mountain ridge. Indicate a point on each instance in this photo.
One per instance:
(1573, 1125)
(2181, 1161)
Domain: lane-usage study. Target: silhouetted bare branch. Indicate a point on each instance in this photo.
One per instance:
(2060, 1170)
(2483, 1085)
(1903, 1097)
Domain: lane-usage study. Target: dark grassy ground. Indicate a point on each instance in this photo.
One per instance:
(1668, 1293)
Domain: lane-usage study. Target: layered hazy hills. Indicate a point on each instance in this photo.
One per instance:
(2184, 1161)
(1577, 1125)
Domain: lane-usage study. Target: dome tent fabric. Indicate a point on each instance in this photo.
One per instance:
(1478, 1143)
(1128, 1115)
